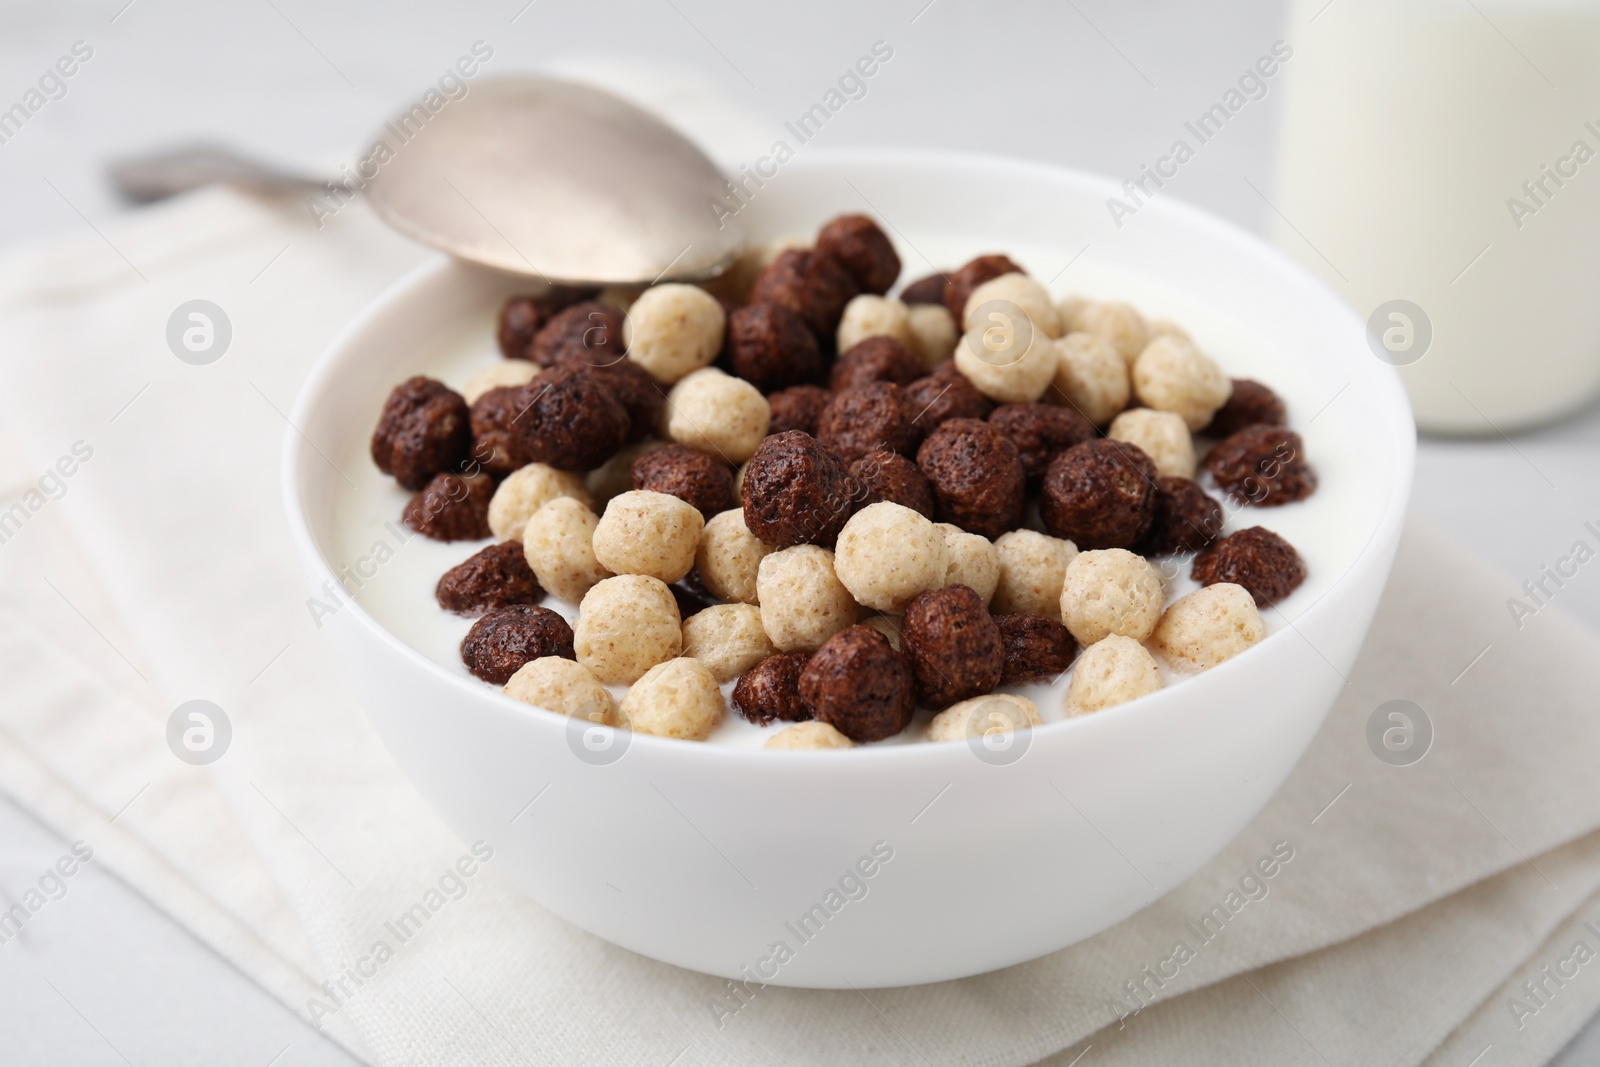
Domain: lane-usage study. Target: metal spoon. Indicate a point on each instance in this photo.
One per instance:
(527, 175)
(557, 180)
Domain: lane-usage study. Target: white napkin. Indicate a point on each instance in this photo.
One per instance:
(165, 573)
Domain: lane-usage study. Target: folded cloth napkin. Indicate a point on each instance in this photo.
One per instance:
(1410, 905)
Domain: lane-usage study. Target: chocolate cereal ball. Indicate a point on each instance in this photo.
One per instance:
(969, 276)
(558, 542)
(1040, 431)
(812, 284)
(572, 421)
(868, 418)
(425, 428)
(771, 690)
(796, 491)
(503, 640)
(451, 508)
(873, 316)
(1171, 374)
(564, 687)
(674, 329)
(588, 333)
(1161, 435)
(1256, 558)
(888, 554)
(1037, 649)
(927, 290)
(525, 492)
(1100, 494)
(1091, 378)
(770, 346)
(678, 698)
(522, 317)
(875, 359)
(626, 625)
(1113, 671)
(491, 578)
(717, 412)
(1033, 567)
(495, 417)
(1111, 591)
(1187, 519)
(808, 735)
(939, 397)
(892, 477)
(636, 391)
(729, 558)
(1207, 627)
(803, 603)
(642, 532)
(692, 475)
(953, 645)
(864, 249)
(1263, 465)
(977, 476)
(797, 408)
(727, 638)
(1248, 404)
(859, 685)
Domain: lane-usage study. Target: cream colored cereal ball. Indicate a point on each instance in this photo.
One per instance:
(996, 713)
(873, 316)
(933, 333)
(729, 556)
(644, 532)
(559, 545)
(1027, 293)
(1111, 591)
(1119, 325)
(803, 735)
(563, 686)
(1161, 435)
(1112, 671)
(1173, 375)
(506, 372)
(674, 329)
(1091, 376)
(989, 357)
(615, 476)
(678, 698)
(738, 480)
(888, 626)
(727, 638)
(717, 412)
(970, 560)
(803, 603)
(1210, 625)
(626, 625)
(1033, 567)
(1069, 309)
(527, 490)
(887, 554)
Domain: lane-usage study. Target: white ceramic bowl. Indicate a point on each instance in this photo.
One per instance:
(705, 855)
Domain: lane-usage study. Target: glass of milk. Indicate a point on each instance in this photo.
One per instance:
(1441, 168)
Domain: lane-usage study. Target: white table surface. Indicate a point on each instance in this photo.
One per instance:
(105, 978)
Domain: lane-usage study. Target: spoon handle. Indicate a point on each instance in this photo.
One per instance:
(147, 178)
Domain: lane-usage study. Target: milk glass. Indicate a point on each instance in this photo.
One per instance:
(1441, 168)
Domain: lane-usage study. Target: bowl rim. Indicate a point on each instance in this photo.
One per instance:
(1386, 530)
